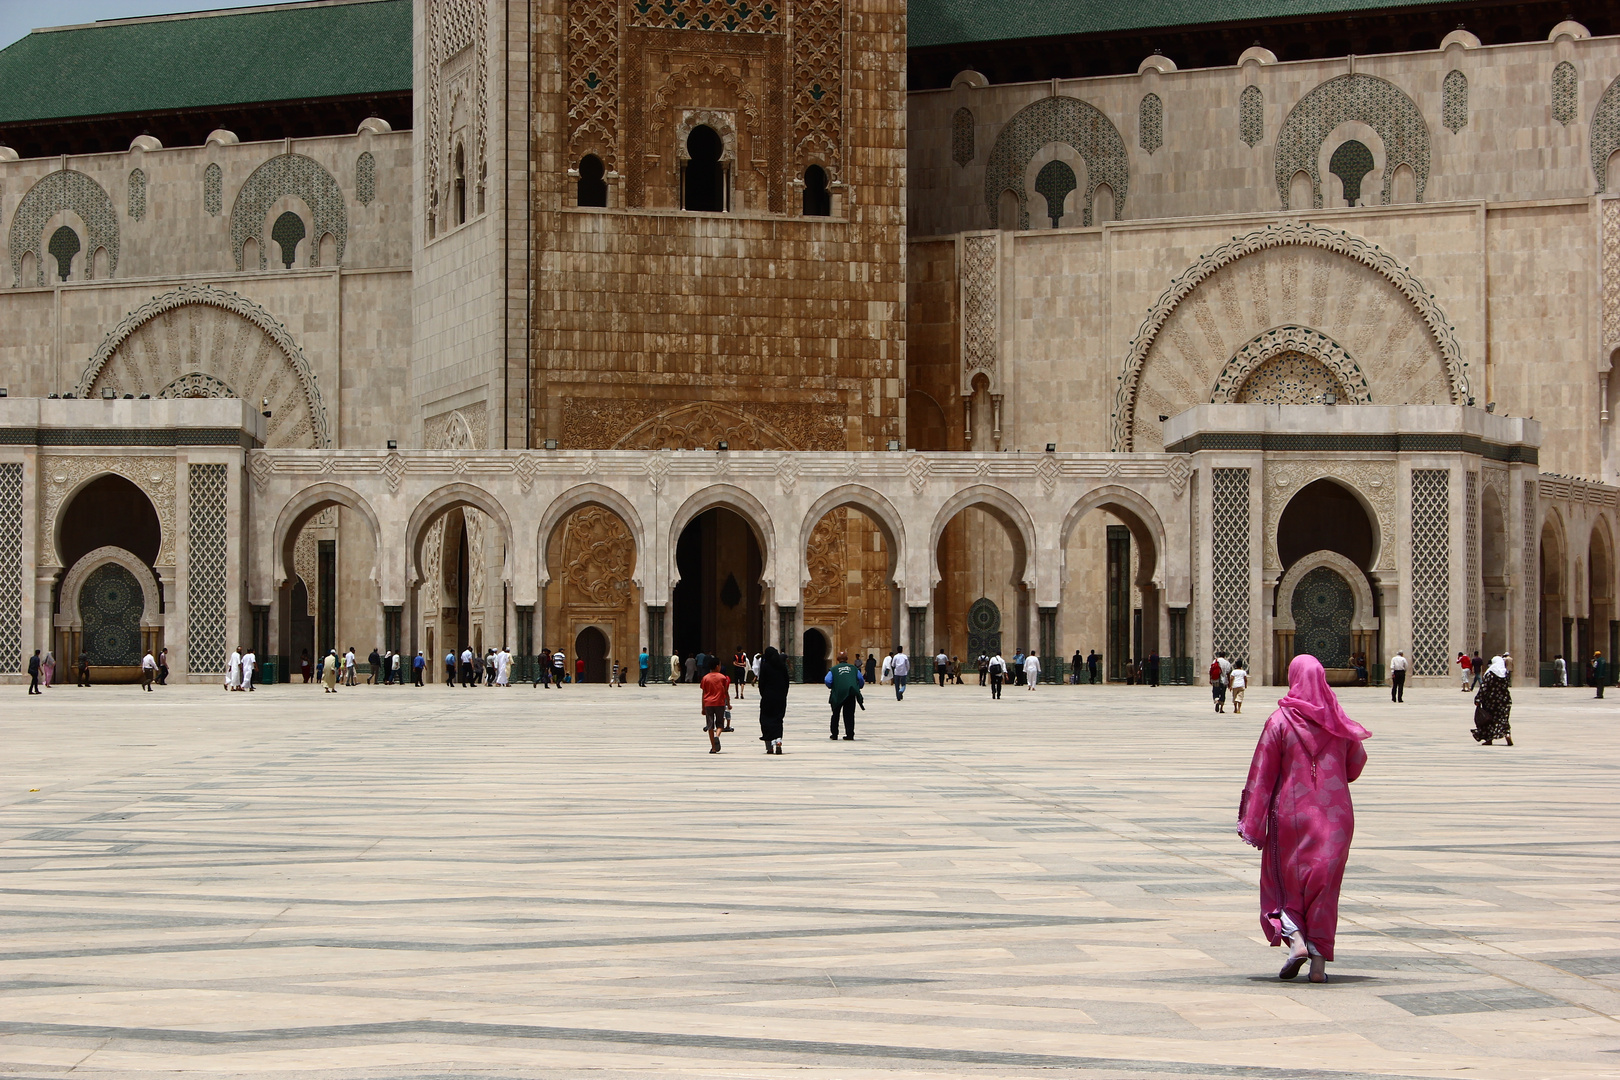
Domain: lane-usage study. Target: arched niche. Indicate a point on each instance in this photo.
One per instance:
(1379, 104)
(283, 175)
(1328, 514)
(65, 189)
(1113, 545)
(85, 592)
(982, 545)
(1361, 628)
(1056, 119)
(852, 541)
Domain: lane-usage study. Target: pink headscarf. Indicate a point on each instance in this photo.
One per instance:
(1310, 699)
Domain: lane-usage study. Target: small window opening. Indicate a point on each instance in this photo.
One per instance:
(817, 199)
(592, 186)
(1054, 183)
(287, 232)
(458, 194)
(704, 180)
(1351, 163)
(63, 246)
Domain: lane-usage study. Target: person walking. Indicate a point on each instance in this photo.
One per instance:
(1032, 670)
(772, 683)
(690, 669)
(329, 672)
(557, 662)
(1237, 682)
(1560, 671)
(450, 668)
(303, 665)
(1076, 662)
(1600, 671)
(250, 660)
(233, 670)
(942, 666)
(674, 668)
(373, 666)
(466, 666)
(1492, 706)
(902, 670)
(844, 681)
(1153, 668)
(1217, 682)
(47, 669)
(1018, 667)
(399, 674)
(148, 671)
(33, 673)
(716, 697)
(887, 674)
(997, 669)
(1477, 664)
(1296, 809)
(84, 669)
(739, 670)
(869, 672)
(1465, 667)
(418, 668)
(644, 661)
(1092, 662)
(1397, 676)
(350, 668)
(163, 668)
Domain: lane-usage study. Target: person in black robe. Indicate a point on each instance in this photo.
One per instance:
(1492, 704)
(773, 692)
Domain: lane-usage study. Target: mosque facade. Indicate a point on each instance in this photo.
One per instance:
(704, 324)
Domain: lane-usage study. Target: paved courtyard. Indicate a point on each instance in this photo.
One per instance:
(525, 883)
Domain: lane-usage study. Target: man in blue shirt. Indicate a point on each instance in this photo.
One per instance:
(644, 662)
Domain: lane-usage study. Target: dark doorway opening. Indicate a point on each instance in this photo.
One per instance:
(326, 571)
(815, 656)
(463, 580)
(592, 188)
(1324, 516)
(301, 624)
(718, 600)
(110, 511)
(817, 198)
(704, 178)
(591, 646)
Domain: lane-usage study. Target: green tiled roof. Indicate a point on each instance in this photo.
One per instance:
(955, 22)
(249, 55)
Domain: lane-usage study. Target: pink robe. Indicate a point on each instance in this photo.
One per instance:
(1296, 810)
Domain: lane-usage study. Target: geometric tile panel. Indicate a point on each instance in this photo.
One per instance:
(1431, 571)
(64, 189)
(1057, 120)
(1229, 561)
(213, 198)
(1150, 123)
(137, 194)
(1454, 98)
(1564, 93)
(365, 178)
(1251, 116)
(289, 174)
(205, 591)
(818, 81)
(1605, 136)
(11, 566)
(962, 140)
(1471, 555)
(1380, 105)
(110, 605)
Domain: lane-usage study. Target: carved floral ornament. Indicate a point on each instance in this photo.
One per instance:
(1271, 236)
(64, 475)
(1292, 339)
(1373, 481)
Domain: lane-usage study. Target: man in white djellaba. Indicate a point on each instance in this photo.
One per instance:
(250, 659)
(233, 672)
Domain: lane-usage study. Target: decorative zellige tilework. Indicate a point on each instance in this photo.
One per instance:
(980, 305)
(1150, 123)
(818, 78)
(1379, 104)
(1471, 554)
(962, 136)
(137, 194)
(1053, 183)
(1322, 607)
(11, 566)
(1454, 99)
(1057, 120)
(1229, 561)
(1251, 116)
(289, 174)
(1431, 571)
(593, 80)
(205, 570)
(1605, 133)
(213, 200)
(1565, 93)
(755, 16)
(365, 178)
(64, 189)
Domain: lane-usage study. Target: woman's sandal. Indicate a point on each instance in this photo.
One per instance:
(1291, 966)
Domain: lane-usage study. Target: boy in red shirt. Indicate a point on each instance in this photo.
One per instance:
(716, 697)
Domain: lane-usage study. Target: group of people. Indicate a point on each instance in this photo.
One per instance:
(42, 670)
(1228, 677)
(769, 673)
(239, 670)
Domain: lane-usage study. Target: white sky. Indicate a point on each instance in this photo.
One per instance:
(18, 17)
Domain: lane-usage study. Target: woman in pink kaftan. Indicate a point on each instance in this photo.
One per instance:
(1296, 810)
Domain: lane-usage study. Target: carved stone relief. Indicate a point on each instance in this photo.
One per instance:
(1375, 102)
(64, 189)
(637, 424)
(1061, 120)
(289, 174)
(981, 305)
(457, 42)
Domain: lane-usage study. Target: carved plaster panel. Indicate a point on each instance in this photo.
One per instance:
(981, 303)
(62, 475)
(1374, 481)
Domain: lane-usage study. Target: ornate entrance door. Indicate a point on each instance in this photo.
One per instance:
(110, 606)
(1323, 606)
(984, 629)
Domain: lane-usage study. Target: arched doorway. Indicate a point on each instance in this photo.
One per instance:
(982, 556)
(815, 655)
(1554, 624)
(329, 598)
(850, 558)
(110, 607)
(1110, 600)
(591, 562)
(1325, 603)
(591, 646)
(718, 600)
(1493, 574)
(1600, 598)
(109, 520)
(458, 537)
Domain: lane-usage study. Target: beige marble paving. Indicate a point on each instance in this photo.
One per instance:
(532, 884)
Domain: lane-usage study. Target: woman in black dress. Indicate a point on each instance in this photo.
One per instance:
(773, 692)
(1492, 704)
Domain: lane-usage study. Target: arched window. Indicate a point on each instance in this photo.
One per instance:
(1351, 163)
(63, 246)
(286, 233)
(458, 191)
(592, 187)
(703, 183)
(817, 199)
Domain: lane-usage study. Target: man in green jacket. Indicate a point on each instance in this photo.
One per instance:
(844, 681)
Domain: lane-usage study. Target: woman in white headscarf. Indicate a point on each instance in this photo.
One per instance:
(1492, 704)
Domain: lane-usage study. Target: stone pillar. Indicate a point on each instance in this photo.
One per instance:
(787, 630)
